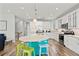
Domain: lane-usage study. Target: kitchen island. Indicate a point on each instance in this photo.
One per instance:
(33, 38)
(38, 42)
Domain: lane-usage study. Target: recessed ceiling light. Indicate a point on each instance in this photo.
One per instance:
(8, 10)
(34, 20)
(56, 8)
(22, 8)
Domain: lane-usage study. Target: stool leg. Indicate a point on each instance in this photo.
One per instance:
(40, 52)
(29, 54)
(47, 51)
(34, 53)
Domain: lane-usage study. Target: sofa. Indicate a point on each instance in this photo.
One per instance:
(2, 41)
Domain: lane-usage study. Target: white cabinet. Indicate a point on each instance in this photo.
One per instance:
(56, 24)
(54, 35)
(72, 43)
(70, 21)
(72, 17)
(68, 42)
(64, 19)
(77, 17)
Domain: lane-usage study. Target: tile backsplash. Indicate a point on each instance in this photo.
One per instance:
(76, 31)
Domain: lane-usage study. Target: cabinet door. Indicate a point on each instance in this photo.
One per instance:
(75, 45)
(74, 19)
(59, 23)
(55, 36)
(69, 22)
(55, 24)
(72, 43)
(77, 17)
(67, 42)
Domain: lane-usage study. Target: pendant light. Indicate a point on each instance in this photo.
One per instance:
(35, 13)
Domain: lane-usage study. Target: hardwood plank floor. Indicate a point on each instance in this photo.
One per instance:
(55, 49)
(10, 50)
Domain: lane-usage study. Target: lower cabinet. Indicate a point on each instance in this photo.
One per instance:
(55, 36)
(72, 43)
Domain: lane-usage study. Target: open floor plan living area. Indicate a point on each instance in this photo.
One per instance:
(39, 29)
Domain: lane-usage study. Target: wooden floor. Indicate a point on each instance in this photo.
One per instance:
(55, 49)
(10, 50)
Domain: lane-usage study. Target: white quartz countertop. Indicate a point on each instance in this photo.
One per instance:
(33, 38)
(75, 36)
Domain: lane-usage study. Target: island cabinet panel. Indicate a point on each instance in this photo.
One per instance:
(72, 43)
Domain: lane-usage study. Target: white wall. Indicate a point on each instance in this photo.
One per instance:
(10, 32)
(21, 26)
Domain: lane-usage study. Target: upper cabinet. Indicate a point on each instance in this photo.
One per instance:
(72, 20)
(59, 23)
(70, 25)
(56, 24)
(64, 19)
(77, 18)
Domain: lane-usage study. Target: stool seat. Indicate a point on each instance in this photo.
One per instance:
(43, 47)
(35, 45)
(28, 51)
(23, 50)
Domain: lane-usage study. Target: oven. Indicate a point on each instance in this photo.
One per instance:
(61, 39)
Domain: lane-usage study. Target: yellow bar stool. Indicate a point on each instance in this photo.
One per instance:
(19, 50)
(23, 50)
(29, 51)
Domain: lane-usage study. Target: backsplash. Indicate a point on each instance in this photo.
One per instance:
(76, 31)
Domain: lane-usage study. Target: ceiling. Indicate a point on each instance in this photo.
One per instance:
(44, 11)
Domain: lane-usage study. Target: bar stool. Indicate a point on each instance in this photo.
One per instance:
(28, 51)
(43, 50)
(34, 45)
(43, 47)
(23, 50)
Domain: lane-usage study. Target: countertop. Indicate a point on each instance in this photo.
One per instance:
(74, 36)
(33, 38)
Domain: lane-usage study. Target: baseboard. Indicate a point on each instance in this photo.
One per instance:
(8, 42)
